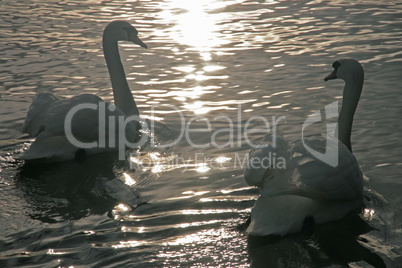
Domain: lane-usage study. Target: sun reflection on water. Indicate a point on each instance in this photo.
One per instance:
(203, 237)
(193, 25)
(128, 180)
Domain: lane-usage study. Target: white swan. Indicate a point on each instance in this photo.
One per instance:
(307, 187)
(47, 114)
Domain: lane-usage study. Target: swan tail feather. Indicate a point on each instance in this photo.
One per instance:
(279, 215)
(57, 147)
(35, 119)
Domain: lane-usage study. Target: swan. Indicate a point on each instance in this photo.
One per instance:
(48, 114)
(307, 188)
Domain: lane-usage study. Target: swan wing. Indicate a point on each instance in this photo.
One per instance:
(79, 113)
(35, 119)
(56, 147)
(85, 124)
(303, 173)
(261, 160)
(316, 179)
(51, 141)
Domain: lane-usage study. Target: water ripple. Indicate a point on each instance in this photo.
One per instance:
(215, 61)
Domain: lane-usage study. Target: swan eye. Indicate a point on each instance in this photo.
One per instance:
(336, 65)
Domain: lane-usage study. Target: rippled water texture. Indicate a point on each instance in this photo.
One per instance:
(220, 62)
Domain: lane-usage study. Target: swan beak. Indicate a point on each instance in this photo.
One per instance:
(331, 76)
(134, 38)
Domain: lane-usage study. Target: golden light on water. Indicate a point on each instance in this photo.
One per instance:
(122, 207)
(202, 167)
(368, 213)
(128, 180)
(128, 244)
(156, 163)
(222, 159)
(211, 68)
(197, 107)
(202, 237)
(186, 68)
(193, 26)
(199, 28)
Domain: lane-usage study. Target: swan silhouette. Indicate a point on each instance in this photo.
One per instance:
(308, 188)
(47, 115)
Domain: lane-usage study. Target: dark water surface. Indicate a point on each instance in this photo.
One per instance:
(220, 62)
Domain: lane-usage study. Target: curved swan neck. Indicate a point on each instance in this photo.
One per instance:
(351, 96)
(123, 98)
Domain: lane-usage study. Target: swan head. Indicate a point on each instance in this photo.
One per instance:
(347, 69)
(120, 30)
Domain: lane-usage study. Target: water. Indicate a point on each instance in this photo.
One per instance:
(220, 62)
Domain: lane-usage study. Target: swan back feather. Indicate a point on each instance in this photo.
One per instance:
(52, 141)
(34, 120)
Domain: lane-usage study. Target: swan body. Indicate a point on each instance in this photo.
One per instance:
(306, 186)
(48, 113)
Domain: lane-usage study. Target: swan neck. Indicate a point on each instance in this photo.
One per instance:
(351, 96)
(123, 98)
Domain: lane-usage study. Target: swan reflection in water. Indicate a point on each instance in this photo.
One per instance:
(321, 245)
(74, 189)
